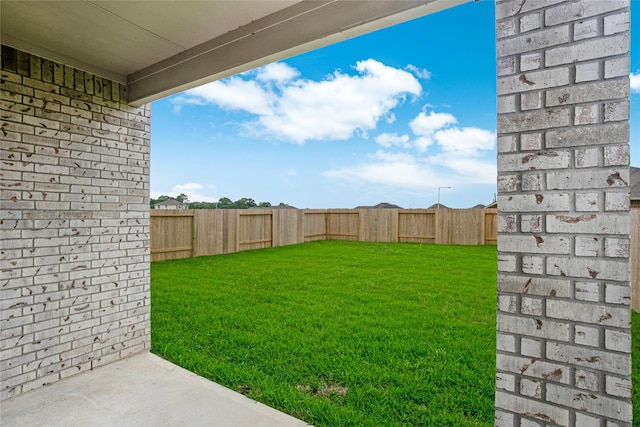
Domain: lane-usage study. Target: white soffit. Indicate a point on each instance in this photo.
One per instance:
(159, 48)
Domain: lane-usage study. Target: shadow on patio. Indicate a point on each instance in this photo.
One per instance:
(143, 390)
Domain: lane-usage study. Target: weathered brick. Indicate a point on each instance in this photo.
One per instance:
(534, 80)
(618, 294)
(617, 23)
(530, 347)
(588, 50)
(587, 92)
(588, 268)
(589, 358)
(587, 380)
(533, 41)
(587, 72)
(535, 203)
(574, 11)
(529, 62)
(559, 288)
(617, 341)
(588, 223)
(534, 120)
(587, 291)
(600, 405)
(533, 408)
(531, 327)
(534, 161)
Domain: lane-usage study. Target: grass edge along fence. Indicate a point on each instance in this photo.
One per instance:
(191, 233)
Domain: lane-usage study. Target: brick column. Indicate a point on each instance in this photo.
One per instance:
(74, 224)
(563, 322)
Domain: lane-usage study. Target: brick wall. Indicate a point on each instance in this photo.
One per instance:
(74, 229)
(563, 339)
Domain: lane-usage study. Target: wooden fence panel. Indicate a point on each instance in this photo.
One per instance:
(183, 234)
(343, 225)
(491, 226)
(287, 227)
(315, 225)
(209, 232)
(255, 228)
(171, 235)
(416, 225)
(634, 258)
(378, 225)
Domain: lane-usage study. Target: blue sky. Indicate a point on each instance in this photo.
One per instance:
(386, 117)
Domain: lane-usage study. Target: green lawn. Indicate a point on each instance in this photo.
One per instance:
(341, 333)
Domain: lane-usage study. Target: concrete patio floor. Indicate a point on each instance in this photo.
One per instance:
(143, 390)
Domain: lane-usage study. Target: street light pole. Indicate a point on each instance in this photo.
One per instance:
(439, 195)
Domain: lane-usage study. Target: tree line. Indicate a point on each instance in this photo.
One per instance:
(222, 203)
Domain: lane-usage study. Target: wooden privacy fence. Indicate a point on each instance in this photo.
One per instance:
(191, 233)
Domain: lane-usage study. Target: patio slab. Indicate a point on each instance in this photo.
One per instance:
(143, 390)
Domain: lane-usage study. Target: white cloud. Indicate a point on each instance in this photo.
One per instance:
(635, 81)
(421, 73)
(460, 156)
(233, 93)
(196, 192)
(391, 139)
(278, 72)
(300, 110)
(394, 169)
(427, 124)
(466, 141)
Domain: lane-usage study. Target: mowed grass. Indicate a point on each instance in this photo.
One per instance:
(339, 333)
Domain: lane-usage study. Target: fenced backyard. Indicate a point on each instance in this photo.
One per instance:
(185, 234)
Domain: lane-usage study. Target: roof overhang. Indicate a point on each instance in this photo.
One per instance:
(158, 48)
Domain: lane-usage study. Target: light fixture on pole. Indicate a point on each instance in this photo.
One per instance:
(439, 195)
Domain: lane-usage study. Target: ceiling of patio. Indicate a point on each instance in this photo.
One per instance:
(163, 47)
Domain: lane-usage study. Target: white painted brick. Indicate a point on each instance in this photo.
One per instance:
(507, 263)
(535, 244)
(534, 80)
(530, 22)
(587, 291)
(528, 423)
(587, 93)
(531, 388)
(587, 380)
(532, 264)
(601, 269)
(506, 66)
(596, 223)
(534, 328)
(585, 335)
(589, 358)
(534, 120)
(587, 157)
(588, 50)
(617, 340)
(535, 161)
(505, 342)
(540, 410)
(531, 141)
(585, 29)
(507, 303)
(616, 248)
(587, 202)
(507, 223)
(506, 104)
(616, 23)
(530, 347)
(574, 11)
(588, 246)
(616, 111)
(507, 183)
(607, 407)
(617, 294)
(505, 381)
(616, 201)
(533, 41)
(531, 224)
(618, 387)
(531, 100)
(529, 62)
(616, 67)
(536, 203)
(616, 155)
(584, 420)
(532, 306)
(533, 368)
(587, 114)
(533, 182)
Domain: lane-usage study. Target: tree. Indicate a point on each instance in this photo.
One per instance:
(183, 198)
(264, 205)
